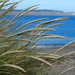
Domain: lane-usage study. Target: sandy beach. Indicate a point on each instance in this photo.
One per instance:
(49, 49)
(66, 50)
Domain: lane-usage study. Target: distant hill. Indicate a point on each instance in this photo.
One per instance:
(47, 10)
(43, 12)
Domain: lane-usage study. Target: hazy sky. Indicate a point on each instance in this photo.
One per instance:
(62, 5)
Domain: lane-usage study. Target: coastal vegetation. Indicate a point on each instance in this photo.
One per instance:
(17, 56)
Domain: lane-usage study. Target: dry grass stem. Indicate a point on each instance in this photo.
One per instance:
(67, 70)
(13, 66)
(9, 52)
(40, 59)
(65, 46)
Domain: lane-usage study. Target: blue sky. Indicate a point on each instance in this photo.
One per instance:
(62, 5)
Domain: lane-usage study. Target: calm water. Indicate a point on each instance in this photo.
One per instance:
(67, 29)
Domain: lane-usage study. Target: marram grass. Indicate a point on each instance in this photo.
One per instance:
(69, 44)
(72, 68)
(17, 57)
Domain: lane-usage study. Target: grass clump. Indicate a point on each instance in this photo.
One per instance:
(17, 57)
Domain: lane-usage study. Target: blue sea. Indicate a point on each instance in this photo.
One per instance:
(67, 29)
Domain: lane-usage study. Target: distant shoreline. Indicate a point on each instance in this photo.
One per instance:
(41, 12)
(51, 46)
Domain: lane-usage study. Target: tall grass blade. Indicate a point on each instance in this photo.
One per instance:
(67, 70)
(40, 59)
(13, 66)
(9, 9)
(9, 52)
(65, 46)
(54, 37)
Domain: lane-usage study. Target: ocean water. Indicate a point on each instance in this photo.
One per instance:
(67, 29)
